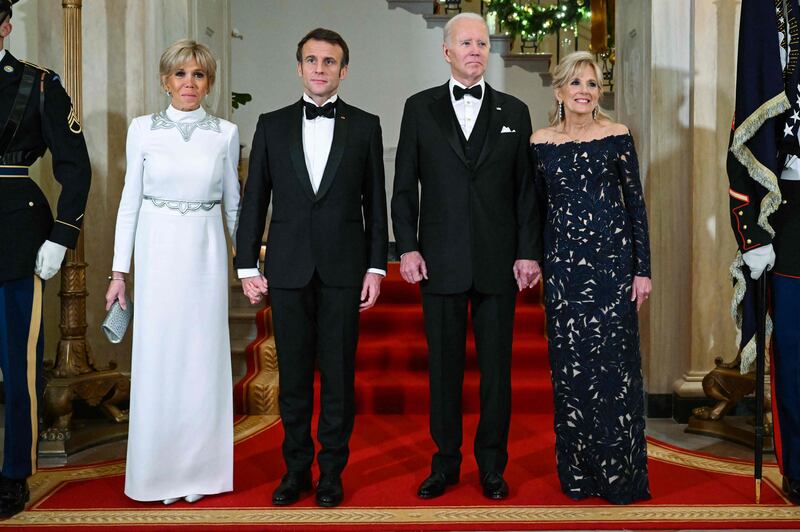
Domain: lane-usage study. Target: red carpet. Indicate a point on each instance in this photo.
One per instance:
(392, 360)
(391, 455)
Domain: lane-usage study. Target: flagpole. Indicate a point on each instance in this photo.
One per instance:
(761, 328)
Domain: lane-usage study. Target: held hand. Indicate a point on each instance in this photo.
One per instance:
(412, 267)
(49, 259)
(116, 290)
(759, 259)
(527, 273)
(255, 288)
(370, 291)
(640, 290)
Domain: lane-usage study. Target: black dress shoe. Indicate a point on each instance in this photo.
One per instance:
(329, 490)
(292, 485)
(791, 488)
(435, 484)
(494, 486)
(13, 496)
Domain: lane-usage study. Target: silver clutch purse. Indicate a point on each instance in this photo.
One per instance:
(117, 321)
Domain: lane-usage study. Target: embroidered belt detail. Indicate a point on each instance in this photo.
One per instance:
(183, 206)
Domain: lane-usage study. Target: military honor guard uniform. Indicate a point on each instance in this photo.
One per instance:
(35, 115)
(764, 174)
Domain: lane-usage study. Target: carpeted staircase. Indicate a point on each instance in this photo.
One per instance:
(392, 359)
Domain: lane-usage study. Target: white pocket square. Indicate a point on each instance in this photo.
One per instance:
(507, 129)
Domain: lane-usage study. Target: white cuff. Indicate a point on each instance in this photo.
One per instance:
(380, 272)
(243, 273)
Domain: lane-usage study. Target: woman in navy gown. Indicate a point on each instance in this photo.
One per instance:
(596, 277)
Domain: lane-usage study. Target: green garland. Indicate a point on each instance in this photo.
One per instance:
(534, 22)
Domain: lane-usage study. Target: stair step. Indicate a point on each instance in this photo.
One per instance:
(238, 357)
(397, 291)
(380, 392)
(410, 353)
(242, 324)
(238, 345)
(385, 319)
(418, 7)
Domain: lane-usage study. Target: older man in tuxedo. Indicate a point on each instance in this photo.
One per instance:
(320, 162)
(471, 238)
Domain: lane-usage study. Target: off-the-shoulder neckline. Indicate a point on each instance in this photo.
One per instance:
(581, 142)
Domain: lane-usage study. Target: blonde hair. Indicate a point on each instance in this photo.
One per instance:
(566, 70)
(181, 52)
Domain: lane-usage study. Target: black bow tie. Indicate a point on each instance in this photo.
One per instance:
(326, 111)
(474, 91)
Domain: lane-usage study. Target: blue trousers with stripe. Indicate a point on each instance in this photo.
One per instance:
(21, 346)
(786, 372)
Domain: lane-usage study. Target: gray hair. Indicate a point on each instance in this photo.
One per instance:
(448, 28)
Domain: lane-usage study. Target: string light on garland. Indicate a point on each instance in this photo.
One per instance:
(533, 22)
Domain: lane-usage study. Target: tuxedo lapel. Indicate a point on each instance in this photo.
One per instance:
(295, 130)
(495, 102)
(442, 111)
(337, 148)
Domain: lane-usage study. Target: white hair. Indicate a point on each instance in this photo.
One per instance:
(448, 28)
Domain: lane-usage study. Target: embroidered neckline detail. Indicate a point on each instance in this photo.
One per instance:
(162, 121)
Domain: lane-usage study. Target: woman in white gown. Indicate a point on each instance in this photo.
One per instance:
(181, 178)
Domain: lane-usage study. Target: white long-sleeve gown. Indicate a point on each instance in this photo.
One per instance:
(180, 439)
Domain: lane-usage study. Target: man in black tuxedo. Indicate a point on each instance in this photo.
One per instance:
(320, 161)
(479, 241)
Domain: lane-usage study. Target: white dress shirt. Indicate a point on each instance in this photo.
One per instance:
(467, 108)
(317, 141)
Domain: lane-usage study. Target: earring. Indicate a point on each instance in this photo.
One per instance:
(594, 113)
(560, 111)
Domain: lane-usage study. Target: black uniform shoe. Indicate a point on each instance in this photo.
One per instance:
(494, 486)
(791, 488)
(13, 496)
(435, 484)
(329, 490)
(291, 486)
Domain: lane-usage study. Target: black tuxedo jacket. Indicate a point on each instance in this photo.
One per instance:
(47, 123)
(340, 231)
(469, 224)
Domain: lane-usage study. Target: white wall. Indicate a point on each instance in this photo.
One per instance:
(393, 54)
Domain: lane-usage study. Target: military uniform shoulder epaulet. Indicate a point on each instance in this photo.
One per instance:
(34, 65)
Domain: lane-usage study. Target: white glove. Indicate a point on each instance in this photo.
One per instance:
(758, 259)
(49, 259)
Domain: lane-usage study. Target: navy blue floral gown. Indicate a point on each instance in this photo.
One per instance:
(595, 239)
